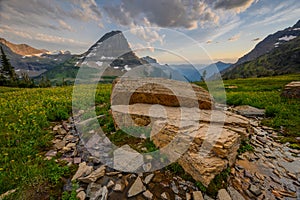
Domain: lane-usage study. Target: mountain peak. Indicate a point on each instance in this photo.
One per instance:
(21, 49)
(109, 34)
(297, 25)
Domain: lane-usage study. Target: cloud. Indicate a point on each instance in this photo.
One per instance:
(48, 14)
(234, 38)
(85, 10)
(236, 5)
(56, 39)
(167, 13)
(255, 39)
(64, 25)
(41, 37)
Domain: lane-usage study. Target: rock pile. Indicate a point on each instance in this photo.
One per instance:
(270, 172)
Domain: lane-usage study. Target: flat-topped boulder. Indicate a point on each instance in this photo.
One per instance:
(127, 91)
(183, 122)
(292, 90)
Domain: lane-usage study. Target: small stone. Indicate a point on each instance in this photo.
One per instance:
(136, 188)
(81, 195)
(71, 145)
(177, 197)
(59, 145)
(197, 195)
(235, 195)
(223, 195)
(77, 160)
(51, 153)
(119, 187)
(148, 178)
(110, 184)
(174, 187)
(147, 194)
(94, 175)
(165, 196)
(232, 171)
(188, 196)
(261, 139)
(83, 170)
(255, 190)
(206, 197)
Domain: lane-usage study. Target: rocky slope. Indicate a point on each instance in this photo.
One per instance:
(282, 60)
(21, 49)
(276, 54)
(270, 42)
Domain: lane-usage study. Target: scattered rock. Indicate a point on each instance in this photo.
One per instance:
(81, 195)
(59, 145)
(92, 177)
(119, 187)
(249, 111)
(136, 188)
(174, 187)
(110, 184)
(51, 153)
(255, 190)
(148, 178)
(147, 194)
(83, 170)
(165, 196)
(223, 195)
(235, 195)
(94, 191)
(188, 196)
(197, 195)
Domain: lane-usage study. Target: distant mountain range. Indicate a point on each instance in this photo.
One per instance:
(278, 53)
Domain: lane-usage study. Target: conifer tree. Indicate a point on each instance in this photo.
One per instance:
(7, 71)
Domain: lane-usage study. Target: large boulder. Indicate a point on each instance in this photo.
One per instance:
(127, 91)
(292, 90)
(203, 140)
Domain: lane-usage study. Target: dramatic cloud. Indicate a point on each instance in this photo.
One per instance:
(234, 38)
(236, 5)
(168, 13)
(48, 14)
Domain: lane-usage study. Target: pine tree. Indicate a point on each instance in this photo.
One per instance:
(7, 71)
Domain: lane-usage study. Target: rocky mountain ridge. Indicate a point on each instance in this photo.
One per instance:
(22, 49)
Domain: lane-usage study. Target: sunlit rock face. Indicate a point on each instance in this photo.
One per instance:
(186, 129)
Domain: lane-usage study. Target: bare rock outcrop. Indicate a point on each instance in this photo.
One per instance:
(202, 140)
(292, 90)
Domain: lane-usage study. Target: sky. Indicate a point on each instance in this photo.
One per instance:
(172, 31)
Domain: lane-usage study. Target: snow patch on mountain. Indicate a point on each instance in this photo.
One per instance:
(287, 38)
